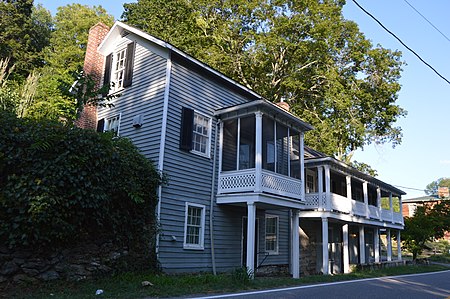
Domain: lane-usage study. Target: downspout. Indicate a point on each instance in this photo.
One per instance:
(211, 207)
(162, 145)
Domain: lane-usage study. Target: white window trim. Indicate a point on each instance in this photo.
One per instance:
(208, 145)
(276, 251)
(202, 228)
(116, 88)
(107, 120)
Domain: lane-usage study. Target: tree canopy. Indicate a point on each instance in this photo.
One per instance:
(300, 51)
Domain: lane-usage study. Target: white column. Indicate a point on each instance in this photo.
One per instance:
(325, 257)
(328, 187)
(389, 244)
(366, 198)
(399, 246)
(348, 179)
(295, 244)
(379, 202)
(320, 187)
(391, 207)
(362, 246)
(345, 253)
(302, 165)
(251, 219)
(376, 244)
(258, 150)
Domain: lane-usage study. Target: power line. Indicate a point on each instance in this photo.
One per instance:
(410, 188)
(397, 38)
(429, 22)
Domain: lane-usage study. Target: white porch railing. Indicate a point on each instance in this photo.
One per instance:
(342, 204)
(247, 181)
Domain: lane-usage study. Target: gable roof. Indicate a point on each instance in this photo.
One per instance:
(120, 29)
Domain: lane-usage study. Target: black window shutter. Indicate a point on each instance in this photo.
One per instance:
(100, 125)
(187, 123)
(107, 74)
(129, 65)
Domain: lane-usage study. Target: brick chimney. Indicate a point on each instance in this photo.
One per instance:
(283, 105)
(93, 65)
(443, 192)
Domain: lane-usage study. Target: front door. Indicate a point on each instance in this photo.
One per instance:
(334, 250)
(244, 242)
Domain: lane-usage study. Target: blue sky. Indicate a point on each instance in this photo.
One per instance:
(424, 154)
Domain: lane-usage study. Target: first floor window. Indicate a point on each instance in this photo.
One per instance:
(272, 234)
(194, 226)
(112, 124)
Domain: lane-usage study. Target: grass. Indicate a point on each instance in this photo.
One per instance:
(128, 285)
(440, 258)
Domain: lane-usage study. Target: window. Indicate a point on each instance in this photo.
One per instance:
(109, 124)
(310, 181)
(195, 134)
(119, 68)
(201, 134)
(194, 226)
(272, 234)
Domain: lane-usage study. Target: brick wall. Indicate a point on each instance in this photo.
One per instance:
(93, 65)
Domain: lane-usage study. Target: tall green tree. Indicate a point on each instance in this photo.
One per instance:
(25, 32)
(432, 188)
(64, 59)
(301, 51)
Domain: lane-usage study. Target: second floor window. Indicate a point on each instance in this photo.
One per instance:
(195, 134)
(200, 135)
(119, 69)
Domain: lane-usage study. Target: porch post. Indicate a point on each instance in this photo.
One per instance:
(295, 244)
(399, 246)
(325, 257)
(327, 188)
(258, 150)
(379, 202)
(391, 207)
(302, 165)
(320, 187)
(348, 179)
(345, 254)
(376, 244)
(362, 246)
(389, 244)
(251, 219)
(366, 199)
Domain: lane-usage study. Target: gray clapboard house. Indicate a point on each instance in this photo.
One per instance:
(238, 191)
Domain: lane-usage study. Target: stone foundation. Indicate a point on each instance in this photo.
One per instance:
(82, 262)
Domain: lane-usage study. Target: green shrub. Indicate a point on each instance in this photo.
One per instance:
(60, 185)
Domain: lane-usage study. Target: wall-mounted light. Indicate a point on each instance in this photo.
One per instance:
(138, 121)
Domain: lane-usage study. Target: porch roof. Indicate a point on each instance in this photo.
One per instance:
(316, 158)
(267, 107)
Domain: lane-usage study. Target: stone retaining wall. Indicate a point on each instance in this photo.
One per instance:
(83, 262)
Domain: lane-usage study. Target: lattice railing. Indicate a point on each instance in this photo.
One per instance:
(281, 185)
(312, 200)
(237, 181)
(246, 181)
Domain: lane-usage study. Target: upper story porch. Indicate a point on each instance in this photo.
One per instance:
(335, 187)
(261, 155)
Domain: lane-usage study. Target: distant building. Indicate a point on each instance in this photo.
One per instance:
(410, 205)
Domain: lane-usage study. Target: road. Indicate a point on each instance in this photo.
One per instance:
(414, 286)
